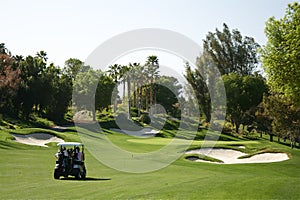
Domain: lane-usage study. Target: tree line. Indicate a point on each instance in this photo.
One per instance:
(146, 87)
(29, 85)
(236, 59)
(281, 62)
(270, 103)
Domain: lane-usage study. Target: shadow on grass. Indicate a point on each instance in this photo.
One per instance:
(86, 179)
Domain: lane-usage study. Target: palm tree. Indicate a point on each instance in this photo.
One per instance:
(123, 75)
(152, 71)
(140, 80)
(128, 77)
(134, 68)
(114, 72)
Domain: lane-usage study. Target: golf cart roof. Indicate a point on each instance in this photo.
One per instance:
(65, 144)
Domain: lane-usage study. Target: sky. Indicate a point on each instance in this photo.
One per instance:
(73, 29)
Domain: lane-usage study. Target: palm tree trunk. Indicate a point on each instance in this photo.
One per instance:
(154, 102)
(115, 105)
(115, 97)
(124, 92)
(271, 137)
(291, 141)
(237, 126)
(128, 94)
(151, 94)
(244, 128)
(134, 95)
(147, 98)
(140, 100)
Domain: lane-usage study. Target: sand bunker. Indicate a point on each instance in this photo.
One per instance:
(37, 139)
(229, 156)
(145, 132)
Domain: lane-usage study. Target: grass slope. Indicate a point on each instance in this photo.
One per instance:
(27, 173)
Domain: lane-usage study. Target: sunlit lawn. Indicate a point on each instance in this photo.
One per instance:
(27, 173)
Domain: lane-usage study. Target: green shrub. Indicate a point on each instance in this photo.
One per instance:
(134, 112)
(171, 124)
(145, 118)
(41, 122)
(227, 128)
(69, 115)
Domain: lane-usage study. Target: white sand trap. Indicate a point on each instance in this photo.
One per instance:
(145, 132)
(36, 139)
(229, 156)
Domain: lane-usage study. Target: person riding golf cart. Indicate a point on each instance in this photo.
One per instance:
(70, 160)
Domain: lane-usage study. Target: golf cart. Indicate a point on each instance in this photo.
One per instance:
(70, 160)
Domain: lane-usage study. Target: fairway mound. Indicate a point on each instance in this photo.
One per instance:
(145, 132)
(36, 139)
(229, 156)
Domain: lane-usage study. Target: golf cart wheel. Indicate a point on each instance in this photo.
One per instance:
(78, 176)
(56, 174)
(83, 174)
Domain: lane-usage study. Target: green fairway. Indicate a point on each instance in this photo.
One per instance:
(27, 173)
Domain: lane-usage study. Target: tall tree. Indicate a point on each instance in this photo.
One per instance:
(128, 77)
(59, 92)
(281, 54)
(167, 90)
(280, 59)
(263, 120)
(104, 92)
(231, 52)
(134, 78)
(151, 68)
(140, 82)
(189, 104)
(226, 51)
(9, 80)
(243, 93)
(199, 86)
(32, 93)
(115, 74)
(73, 66)
(85, 88)
(124, 73)
(285, 117)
